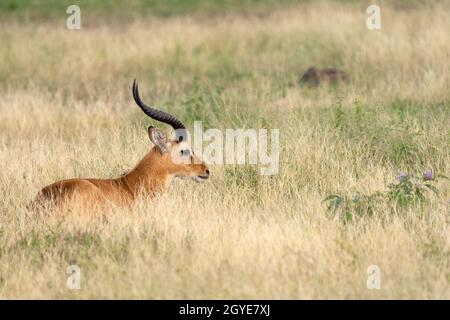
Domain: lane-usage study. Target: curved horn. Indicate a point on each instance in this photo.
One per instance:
(155, 114)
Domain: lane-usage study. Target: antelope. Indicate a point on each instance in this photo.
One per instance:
(167, 159)
(314, 76)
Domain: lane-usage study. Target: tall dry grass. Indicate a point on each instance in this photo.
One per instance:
(66, 111)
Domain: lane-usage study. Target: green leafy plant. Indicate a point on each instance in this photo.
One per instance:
(406, 191)
(350, 208)
(411, 189)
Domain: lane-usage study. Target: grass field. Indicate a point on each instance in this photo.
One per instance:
(66, 111)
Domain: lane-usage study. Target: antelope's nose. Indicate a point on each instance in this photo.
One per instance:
(207, 173)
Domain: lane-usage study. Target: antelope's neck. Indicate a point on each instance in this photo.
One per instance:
(150, 175)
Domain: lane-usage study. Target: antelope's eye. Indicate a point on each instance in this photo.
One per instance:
(185, 152)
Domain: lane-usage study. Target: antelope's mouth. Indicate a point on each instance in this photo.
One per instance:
(201, 178)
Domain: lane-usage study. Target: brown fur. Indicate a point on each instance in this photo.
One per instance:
(150, 176)
(313, 77)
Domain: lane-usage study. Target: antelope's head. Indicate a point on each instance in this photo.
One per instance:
(174, 155)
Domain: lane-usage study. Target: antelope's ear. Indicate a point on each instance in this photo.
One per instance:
(159, 139)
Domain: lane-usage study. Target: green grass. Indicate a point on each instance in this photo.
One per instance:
(44, 9)
(123, 11)
(67, 111)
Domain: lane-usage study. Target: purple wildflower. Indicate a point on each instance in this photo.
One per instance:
(428, 175)
(402, 176)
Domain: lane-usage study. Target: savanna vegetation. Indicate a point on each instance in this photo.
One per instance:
(363, 166)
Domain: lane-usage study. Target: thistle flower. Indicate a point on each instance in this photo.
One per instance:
(402, 176)
(428, 175)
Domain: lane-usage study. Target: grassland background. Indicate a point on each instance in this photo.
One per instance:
(66, 111)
